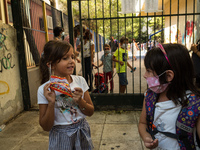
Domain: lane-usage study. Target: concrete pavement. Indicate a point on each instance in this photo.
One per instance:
(110, 131)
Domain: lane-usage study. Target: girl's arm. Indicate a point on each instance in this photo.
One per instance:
(101, 64)
(85, 104)
(46, 119)
(129, 66)
(146, 137)
(198, 126)
(79, 48)
(120, 62)
(136, 46)
(46, 111)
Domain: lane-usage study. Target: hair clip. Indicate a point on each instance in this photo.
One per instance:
(164, 52)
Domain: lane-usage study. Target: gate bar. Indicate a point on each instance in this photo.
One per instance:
(81, 30)
(185, 18)
(188, 14)
(45, 21)
(162, 32)
(170, 21)
(17, 22)
(70, 22)
(193, 20)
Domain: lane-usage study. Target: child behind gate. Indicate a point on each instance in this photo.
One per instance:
(64, 100)
(108, 66)
(171, 106)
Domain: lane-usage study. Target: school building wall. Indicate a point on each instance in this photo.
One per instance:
(11, 102)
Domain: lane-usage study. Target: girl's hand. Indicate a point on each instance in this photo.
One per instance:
(150, 143)
(50, 95)
(133, 69)
(194, 48)
(78, 60)
(77, 95)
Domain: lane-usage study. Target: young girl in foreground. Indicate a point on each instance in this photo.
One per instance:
(63, 114)
(171, 107)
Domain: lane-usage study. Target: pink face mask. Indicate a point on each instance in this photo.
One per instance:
(154, 84)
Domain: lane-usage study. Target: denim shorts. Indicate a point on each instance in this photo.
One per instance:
(122, 78)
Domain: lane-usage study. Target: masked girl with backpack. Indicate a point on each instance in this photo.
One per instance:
(170, 114)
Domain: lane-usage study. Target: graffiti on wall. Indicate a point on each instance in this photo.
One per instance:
(2, 40)
(5, 87)
(6, 60)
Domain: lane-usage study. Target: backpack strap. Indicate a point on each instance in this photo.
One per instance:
(197, 139)
(150, 97)
(154, 131)
(184, 137)
(184, 127)
(150, 127)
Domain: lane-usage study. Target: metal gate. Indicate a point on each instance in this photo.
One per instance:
(174, 21)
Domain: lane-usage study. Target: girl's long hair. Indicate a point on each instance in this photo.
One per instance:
(181, 65)
(53, 52)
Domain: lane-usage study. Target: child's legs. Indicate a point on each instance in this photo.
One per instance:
(123, 81)
(88, 72)
(111, 82)
(122, 88)
(91, 79)
(86, 69)
(106, 78)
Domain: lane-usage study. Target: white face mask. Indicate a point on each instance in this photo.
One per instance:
(125, 46)
(63, 34)
(107, 51)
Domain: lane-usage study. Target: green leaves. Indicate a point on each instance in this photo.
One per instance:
(105, 19)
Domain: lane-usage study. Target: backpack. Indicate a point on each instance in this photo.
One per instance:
(184, 132)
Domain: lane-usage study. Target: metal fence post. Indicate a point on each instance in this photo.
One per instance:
(45, 21)
(61, 20)
(70, 22)
(17, 22)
